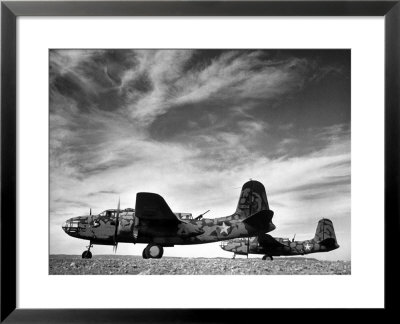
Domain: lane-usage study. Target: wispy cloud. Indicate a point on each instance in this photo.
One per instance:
(194, 125)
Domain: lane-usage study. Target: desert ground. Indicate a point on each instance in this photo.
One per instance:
(136, 265)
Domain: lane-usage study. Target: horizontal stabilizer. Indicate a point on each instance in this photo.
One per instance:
(260, 220)
(330, 243)
(151, 206)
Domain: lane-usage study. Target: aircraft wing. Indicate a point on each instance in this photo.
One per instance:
(266, 240)
(151, 206)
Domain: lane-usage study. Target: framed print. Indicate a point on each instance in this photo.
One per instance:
(155, 152)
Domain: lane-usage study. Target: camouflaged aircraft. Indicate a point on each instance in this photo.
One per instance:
(323, 241)
(153, 222)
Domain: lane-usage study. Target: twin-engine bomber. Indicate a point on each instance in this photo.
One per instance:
(323, 241)
(153, 222)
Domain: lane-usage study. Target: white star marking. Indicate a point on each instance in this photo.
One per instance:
(224, 228)
(307, 246)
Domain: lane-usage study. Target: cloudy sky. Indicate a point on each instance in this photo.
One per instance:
(193, 126)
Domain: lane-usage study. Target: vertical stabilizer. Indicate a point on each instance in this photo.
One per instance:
(253, 199)
(325, 234)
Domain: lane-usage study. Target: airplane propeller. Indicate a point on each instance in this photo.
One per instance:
(90, 212)
(116, 228)
(293, 237)
(250, 213)
(248, 246)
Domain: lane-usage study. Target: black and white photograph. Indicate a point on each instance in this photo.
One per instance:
(199, 161)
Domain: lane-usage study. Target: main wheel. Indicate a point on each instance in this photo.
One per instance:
(153, 251)
(157, 250)
(267, 257)
(144, 254)
(86, 255)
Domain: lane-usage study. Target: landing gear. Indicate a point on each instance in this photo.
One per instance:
(87, 254)
(153, 251)
(144, 255)
(267, 257)
(234, 255)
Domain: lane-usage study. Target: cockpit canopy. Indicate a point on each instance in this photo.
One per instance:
(113, 212)
(108, 213)
(184, 215)
(282, 240)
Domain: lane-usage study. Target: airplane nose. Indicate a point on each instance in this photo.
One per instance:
(226, 245)
(71, 226)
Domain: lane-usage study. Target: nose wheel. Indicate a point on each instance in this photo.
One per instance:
(87, 254)
(153, 251)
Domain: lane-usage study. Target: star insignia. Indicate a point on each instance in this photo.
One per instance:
(307, 247)
(224, 228)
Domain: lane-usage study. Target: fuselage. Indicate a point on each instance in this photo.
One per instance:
(286, 247)
(102, 229)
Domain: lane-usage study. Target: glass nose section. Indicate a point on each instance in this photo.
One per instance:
(225, 243)
(71, 226)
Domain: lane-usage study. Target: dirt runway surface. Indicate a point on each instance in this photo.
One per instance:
(135, 265)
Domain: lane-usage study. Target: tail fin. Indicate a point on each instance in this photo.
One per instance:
(253, 199)
(325, 234)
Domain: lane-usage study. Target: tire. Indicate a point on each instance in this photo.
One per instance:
(86, 255)
(161, 252)
(153, 251)
(144, 254)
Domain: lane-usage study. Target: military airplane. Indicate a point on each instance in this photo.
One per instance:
(323, 241)
(153, 222)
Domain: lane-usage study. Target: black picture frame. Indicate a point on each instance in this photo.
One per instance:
(11, 10)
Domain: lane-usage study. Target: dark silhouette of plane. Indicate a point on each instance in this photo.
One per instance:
(323, 241)
(153, 222)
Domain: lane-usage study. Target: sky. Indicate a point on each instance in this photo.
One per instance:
(194, 126)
